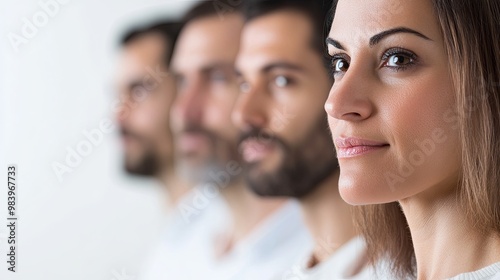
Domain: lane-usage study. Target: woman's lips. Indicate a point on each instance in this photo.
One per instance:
(352, 147)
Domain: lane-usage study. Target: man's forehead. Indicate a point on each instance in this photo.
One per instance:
(201, 46)
(279, 28)
(201, 63)
(134, 62)
(264, 62)
(146, 47)
(276, 38)
(210, 34)
(278, 34)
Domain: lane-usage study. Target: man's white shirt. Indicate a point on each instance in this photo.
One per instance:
(187, 250)
(348, 262)
(269, 250)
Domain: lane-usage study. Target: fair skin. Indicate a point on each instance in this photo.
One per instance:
(144, 112)
(284, 86)
(203, 63)
(387, 116)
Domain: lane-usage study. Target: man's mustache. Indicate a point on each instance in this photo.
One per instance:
(261, 136)
(126, 132)
(199, 130)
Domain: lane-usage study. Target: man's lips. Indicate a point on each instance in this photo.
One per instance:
(351, 147)
(190, 142)
(253, 150)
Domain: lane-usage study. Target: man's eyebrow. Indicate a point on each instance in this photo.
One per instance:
(216, 66)
(238, 73)
(335, 43)
(380, 36)
(177, 76)
(281, 65)
(136, 83)
(272, 66)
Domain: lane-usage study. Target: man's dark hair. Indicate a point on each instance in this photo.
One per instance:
(318, 12)
(168, 30)
(212, 8)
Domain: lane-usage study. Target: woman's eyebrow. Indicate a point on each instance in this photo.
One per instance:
(335, 43)
(379, 37)
(382, 35)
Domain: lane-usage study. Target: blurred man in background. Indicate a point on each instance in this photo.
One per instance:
(262, 236)
(147, 91)
(285, 140)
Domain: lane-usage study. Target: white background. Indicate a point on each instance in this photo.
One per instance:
(97, 223)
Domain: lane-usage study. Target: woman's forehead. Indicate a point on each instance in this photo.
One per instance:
(354, 20)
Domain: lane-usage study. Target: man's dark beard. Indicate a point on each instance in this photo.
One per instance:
(303, 168)
(148, 164)
(214, 164)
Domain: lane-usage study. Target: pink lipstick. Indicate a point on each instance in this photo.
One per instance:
(352, 147)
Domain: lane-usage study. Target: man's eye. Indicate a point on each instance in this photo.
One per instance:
(139, 93)
(244, 87)
(218, 76)
(180, 82)
(282, 81)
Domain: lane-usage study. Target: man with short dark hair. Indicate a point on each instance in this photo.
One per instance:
(285, 141)
(147, 91)
(264, 235)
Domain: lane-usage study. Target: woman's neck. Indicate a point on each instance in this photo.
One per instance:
(446, 242)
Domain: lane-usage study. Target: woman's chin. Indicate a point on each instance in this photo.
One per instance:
(358, 193)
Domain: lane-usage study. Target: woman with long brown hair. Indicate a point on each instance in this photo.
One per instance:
(415, 117)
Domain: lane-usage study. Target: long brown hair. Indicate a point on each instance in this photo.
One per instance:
(471, 31)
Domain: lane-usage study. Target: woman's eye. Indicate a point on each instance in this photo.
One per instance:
(398, 60)
(340, 65)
